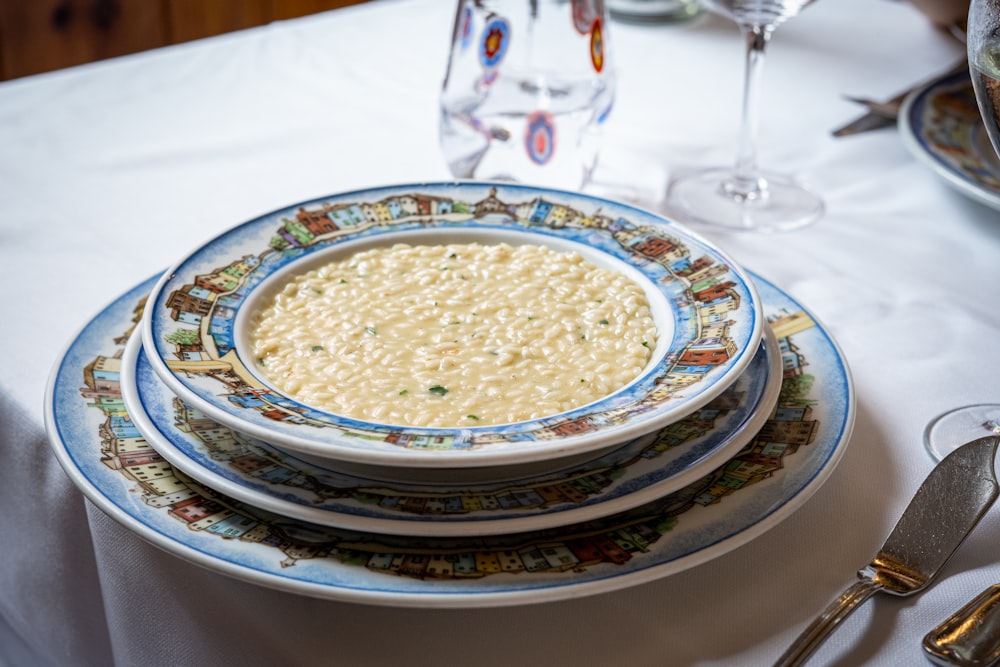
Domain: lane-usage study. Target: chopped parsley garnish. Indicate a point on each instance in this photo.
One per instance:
(371, 330)
(604, 322)
(404, 392)
(475, 417)
(317, 348)
(438, 389)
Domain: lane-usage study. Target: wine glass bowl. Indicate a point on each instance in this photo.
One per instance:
(767, 14)
(983, 46)
(955, 427)
(743, 197)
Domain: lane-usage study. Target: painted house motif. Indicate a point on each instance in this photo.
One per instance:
(607, 543)
(213, 298)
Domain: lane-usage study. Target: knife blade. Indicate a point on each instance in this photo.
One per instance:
(884, 114)
(944, 510)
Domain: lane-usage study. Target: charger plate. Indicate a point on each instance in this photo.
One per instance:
(104, 454)
(259, 474)
(706, 310)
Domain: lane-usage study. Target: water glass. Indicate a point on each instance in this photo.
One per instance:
(528, 85)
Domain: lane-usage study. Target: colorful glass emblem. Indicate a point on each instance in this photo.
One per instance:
(540, 137)
(465, 27)
(597, 45)
(496, 39)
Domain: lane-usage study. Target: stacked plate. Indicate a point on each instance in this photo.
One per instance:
(941, 126)
(740, 413)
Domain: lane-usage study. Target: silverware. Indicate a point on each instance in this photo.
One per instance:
(866, 123)
(945, 509)
(880, 114)
(971, 636)
(884, 114)
(889, 109)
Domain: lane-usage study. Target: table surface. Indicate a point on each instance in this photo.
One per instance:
(111, 171)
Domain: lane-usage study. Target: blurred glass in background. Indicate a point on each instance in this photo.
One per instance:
(528, 85)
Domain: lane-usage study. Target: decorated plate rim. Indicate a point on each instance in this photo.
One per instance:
(734, 524)
(644, 405)
(689, 467)
(975, 164)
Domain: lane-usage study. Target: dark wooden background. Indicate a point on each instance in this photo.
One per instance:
(42, 35)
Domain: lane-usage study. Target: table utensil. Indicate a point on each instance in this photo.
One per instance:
(888, 109)
(885, 114)
(944, 510)
(880, 114)
(744, 197)
(527, 88)
(866, 123)
(971, 636)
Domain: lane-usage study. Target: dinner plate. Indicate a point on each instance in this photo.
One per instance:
(706, 310)
(104, 454)
(940, 124)
(256, 473)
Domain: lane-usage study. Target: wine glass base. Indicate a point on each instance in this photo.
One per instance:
(702, 198)
(951, 430)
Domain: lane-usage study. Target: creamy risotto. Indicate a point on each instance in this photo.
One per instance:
(454, 335)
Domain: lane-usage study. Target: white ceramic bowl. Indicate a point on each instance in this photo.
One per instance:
(705, 307)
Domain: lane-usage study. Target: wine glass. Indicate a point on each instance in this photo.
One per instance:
(743, 197)
(955, 427)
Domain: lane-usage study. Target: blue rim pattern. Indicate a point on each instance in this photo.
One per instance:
(202, 294)
(689, 527)
(941, 125)
(259, 474)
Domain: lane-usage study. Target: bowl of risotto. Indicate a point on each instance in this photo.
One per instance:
(452, 326)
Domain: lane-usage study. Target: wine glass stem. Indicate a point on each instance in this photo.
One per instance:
(746, 183)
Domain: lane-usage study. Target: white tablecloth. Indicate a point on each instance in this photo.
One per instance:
(111, 171)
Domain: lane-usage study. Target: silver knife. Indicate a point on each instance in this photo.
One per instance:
(870, 121)
(945, 509)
